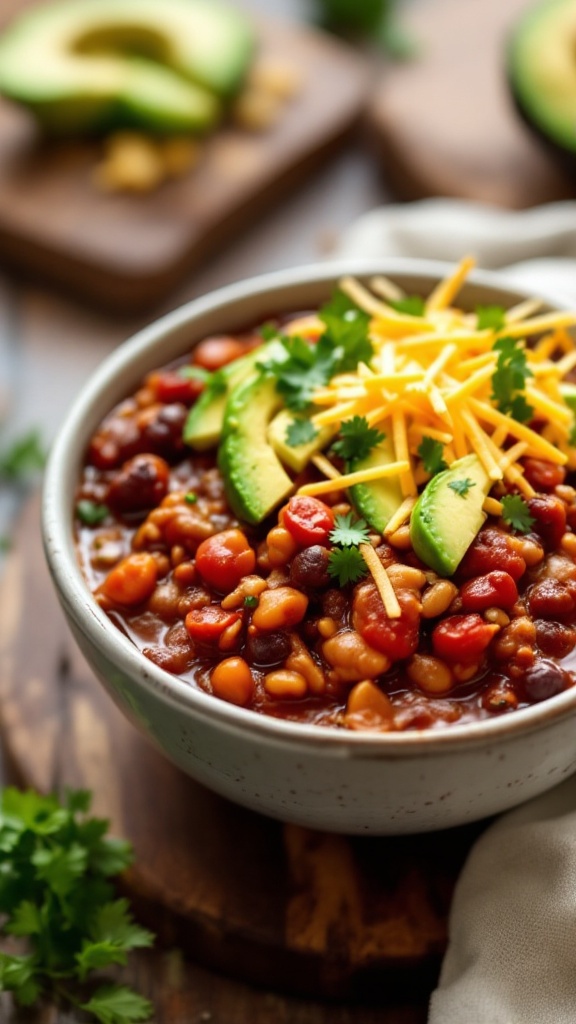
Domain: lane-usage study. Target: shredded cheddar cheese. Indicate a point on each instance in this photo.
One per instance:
(382, 581)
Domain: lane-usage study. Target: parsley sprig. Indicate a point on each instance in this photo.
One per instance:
(301, 366)
(509, 380)
(432, 454)
(346, 564)
(516, 513)
(56, 863)
(357, 439)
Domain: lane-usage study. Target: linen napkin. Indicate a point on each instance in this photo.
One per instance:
(511, 957)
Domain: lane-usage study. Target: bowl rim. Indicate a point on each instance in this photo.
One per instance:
(90, 620)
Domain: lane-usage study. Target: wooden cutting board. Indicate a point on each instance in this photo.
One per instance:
(444, 124)
(274, 904)
(128, 251)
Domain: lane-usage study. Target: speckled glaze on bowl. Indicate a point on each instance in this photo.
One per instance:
(322, 778)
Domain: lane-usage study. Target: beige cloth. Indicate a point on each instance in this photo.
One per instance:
(512, 952)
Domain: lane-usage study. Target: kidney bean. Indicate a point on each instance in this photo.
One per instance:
(267, 649)
(550, 515)
(550, 599)
(309, 568)
(397, 638)
(544, 476)
(495, 590)
(162, 432)
(141, 484)
(492, 549)
(462, 638)
(554, 639)
(542, 680)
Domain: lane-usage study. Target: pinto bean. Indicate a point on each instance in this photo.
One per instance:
(352, 658)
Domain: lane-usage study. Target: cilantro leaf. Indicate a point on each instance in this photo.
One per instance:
(55, 897)
(462, 487)
(349, 532)
(91, 513)
(346, 565)
(300, 431)
(191, 372)
(300, 369)
(509, 378)
(116, 1004)
(432, 454)
(516, 513)
(251, 601)
(347, 331)
(413, 305)
(492, 317)
(24, 457)
(357, 439)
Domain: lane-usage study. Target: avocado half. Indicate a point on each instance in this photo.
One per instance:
(92, 65)
(541, 68)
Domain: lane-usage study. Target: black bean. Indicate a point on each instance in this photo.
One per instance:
(310, 567)
(542, 680)
(554, 639)
(267, 649)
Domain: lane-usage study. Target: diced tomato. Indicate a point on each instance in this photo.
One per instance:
(213, 353)
(309, 520)
(494, 590)
(462, 638)
(222, 560)
(492, 549)
(398, 638)
(206, 625)
(544, 476)
(170, 386)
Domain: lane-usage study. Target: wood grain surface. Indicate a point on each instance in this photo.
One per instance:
(444, 123)
(278, 906)
(129, 251)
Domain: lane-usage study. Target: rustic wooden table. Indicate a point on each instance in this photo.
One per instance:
(48, 348)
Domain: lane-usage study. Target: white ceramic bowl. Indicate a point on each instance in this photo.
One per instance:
(322, 778)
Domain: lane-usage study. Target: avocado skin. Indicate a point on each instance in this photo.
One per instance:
(254, 478)
(88, 66)
(378, 500)
(543, 26)
(442, 527)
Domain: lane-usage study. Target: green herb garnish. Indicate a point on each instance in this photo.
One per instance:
(509, 380)
(300, 431)
(251, 601)
(346, 565)
(357, 439)
(462, 487)
(432, 454)
(413, 305)
(5, 544)
(191, 372)
(490, 318)
(301, 367)
(348, 532)
(24, 457)
(516, 513)
(190, 497)
(91, 513)
(55, 893)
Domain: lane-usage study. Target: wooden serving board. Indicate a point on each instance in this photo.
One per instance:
(128, 251)
(276, 905)
(444, 123)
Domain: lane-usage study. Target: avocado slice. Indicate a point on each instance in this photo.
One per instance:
(90, 65)
(444, 523)
(542, 71)
(296, 456)
(568, 392)
(378, 500)
(254, 477)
